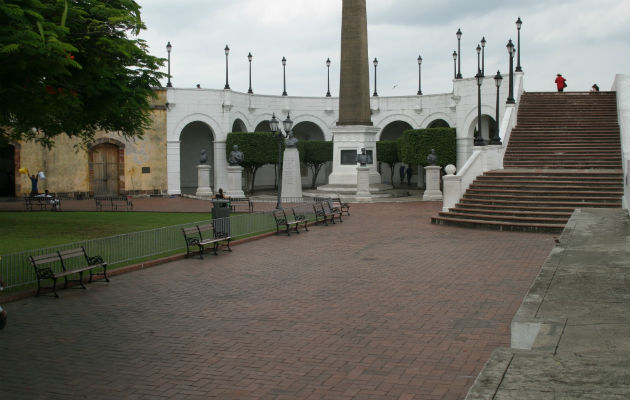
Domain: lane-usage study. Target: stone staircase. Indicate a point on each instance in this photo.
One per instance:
(564, 153)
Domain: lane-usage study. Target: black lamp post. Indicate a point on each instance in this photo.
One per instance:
(478, 58)
(483, 51)
(459, 52)
(227, 53)
(275, 128)
(511, 50)
(249, 57)
(419, 75)
(328, 68)
(497, 82)
(479, 139)
(375, 62)
(454, 65)
(284, 76)
(168, 50)
(518, 44)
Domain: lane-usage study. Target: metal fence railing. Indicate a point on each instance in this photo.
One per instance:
(17, 271)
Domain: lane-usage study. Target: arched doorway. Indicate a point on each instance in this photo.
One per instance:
(263, 126)
(239, 126)
(394, 130)
(317, 173)
(106, 169)
(194, 137)
(307, 130)
(7, 169)
(438, 123)
(488, 128)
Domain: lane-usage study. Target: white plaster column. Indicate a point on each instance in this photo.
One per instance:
(172, 167)
(464, 150)
(452, 188)
(353, 138)
(235, 181)
(432, 192)
(363, 185)
(203, 180)
(220, 166)
(291, 177)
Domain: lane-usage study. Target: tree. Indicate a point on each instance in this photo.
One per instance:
(315, 154)
(387, 152)
(415, 145)
(74, 67)
(259, 148)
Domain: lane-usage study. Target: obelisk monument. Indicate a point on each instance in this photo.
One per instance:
(354, 129)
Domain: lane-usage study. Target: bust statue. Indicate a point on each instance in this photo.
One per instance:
(290, 140)
(432, 158)
(236, 156)
(204, 157)
(362, 158)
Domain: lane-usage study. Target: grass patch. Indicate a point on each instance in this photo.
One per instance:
(32, 230)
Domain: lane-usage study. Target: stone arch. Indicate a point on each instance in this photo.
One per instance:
(394, 130)
(263, 126)
(113, 141)
(194, 137)
(238, 126)
(488, 127)
(307, 130)
(322, 126)
(470, 124)
(175, 135)
(430, 119)
(438, 123)
(397, 118)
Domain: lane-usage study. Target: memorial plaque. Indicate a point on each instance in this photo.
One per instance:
(348, 157)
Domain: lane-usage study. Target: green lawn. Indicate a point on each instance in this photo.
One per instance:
(31, 230)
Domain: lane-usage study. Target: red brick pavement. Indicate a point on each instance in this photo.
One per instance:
(382, 306)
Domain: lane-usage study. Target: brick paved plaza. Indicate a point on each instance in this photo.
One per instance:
(383, 306)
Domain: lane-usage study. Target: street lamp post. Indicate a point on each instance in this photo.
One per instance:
(479, 139)
(227, 53)
(375, 62)
(483, 51)
(518, 44)
(459, 54)
(454, 65)
(328, 68)
(274, 124)
(249, 57)
(419, 75)
(168, 50)
(478, 58)
(284, 76)
(497, 82)
(511, 50)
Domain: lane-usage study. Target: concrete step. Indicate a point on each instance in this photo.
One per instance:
(498, 225)
(496, 217)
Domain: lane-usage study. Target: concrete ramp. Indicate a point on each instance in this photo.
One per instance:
(571, 335)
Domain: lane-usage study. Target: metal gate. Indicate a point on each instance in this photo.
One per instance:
(105, 169)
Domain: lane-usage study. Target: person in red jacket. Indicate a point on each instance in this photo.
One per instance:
(561, 83)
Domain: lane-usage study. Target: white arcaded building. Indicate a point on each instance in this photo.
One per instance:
(201, 119)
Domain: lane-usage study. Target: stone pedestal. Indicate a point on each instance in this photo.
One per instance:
(363, 185)
(235, 181)
(432, 191)
(291, 177)
(347, 143)
(203, 180)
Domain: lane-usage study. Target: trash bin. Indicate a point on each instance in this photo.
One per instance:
(221, 216)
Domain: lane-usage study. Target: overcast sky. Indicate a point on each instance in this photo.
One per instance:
(587, 41)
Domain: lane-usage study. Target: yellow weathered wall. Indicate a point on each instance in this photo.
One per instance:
(67, 167)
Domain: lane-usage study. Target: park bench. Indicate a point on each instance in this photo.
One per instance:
(205, 235)
(288, 223)
(42, 202)
(331, 210)
(325, 213)
(241, 204)
(64, 264)
(341, 205)
(113, 202)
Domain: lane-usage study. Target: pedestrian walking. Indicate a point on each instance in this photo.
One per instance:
(561, 83)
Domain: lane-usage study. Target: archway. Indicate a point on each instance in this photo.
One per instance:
(106, 167)
(7, 169)
(239, 126)
(438, 123)
(194, 137)
(488, 128)
(394, 130)
(263, 126)
(316, 174)
(307, 130)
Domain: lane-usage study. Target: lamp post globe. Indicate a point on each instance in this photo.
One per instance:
(169, 47)
(419, 75)
(497, 82)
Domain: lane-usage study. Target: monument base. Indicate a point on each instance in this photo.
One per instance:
(235, 181)
(363, 185)
(203, 181)
(432, 191)
(291, 177)
(348, 140)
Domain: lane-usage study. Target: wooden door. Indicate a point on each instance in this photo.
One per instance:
(105, 169)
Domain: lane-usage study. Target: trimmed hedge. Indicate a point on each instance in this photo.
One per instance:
(315, 154)
(415, 145)
(259, 148)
